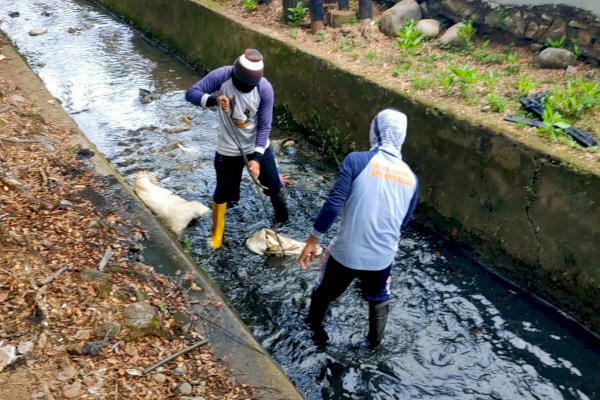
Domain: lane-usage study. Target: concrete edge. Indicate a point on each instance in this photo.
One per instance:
(229, 337)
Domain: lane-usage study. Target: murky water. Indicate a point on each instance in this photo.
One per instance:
(455, 332)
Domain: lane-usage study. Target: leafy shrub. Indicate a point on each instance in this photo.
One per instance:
(250, 5)
(297, 13)
(409, 37)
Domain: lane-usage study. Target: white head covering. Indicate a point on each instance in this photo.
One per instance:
(388, 131)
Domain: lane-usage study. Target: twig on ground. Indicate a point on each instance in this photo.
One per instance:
(54, 275)
(105, 258)
(39, 300)
(173, 356)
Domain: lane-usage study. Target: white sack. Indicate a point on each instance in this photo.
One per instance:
(264, 242)
(173, 210)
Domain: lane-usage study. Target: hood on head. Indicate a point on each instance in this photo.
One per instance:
(388, 131)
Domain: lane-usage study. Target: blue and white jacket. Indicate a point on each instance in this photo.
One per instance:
(376, 192)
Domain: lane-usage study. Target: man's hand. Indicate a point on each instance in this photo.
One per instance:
(223, 102)
(309, 252)
(254, 168)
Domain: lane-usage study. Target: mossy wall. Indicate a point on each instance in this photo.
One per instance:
(521, 211)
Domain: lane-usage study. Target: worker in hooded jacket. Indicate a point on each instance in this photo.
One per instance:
(376, 193)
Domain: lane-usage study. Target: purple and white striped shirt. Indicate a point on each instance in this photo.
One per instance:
(252, 114)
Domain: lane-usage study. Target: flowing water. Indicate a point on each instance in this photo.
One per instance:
(455, 331)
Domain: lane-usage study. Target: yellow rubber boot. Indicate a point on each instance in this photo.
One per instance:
(218, 225)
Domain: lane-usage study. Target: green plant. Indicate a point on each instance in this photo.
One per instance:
(355, 56)
(297, 13)
(466, 77)
(497, 103)
(185, 243)
(320, 35)
(513, 69)
(466, 32)
(250, 5)
(409, 37)
(370, 56)
(558, 43)
(353, 21)
(576, 98)
(346, 44)
(554, 123)
(294, 33)
(525, 84)
(490, 79)
(512, 58)
(401, 68)
(502, 16)
(421, 82)
(446, 82)
(577, 50)
(488, 58)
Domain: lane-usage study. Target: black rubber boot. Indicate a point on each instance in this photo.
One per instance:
(377, 320)
(280, 207)
(316, 314)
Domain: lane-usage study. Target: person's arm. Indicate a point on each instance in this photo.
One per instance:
(201, 92)
(264, 116)
(412, 205)
(352, 166)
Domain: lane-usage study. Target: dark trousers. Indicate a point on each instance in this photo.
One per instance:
(335, 279)
(229, 176)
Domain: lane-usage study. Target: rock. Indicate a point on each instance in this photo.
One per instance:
(89, 274)
(338, 18)
(369, 31)
(430, 28)
(451, 37)
(14, 14)
(84, 334)
(45, 13)
(590, 75)
(15, 98)
(139, 315)
(71, 30)
(184, 389)
(93, 348)
(584, 38)
(159, 378)
(555, 58)
(104, 290)
(75, 349)
(131, 350)
(68, 373)
(72, 391)
(182, 321)
(556, 30)
(8, 355)
(37, 31)
(393, 19)
(536, 47)
(108, 330)
(25, 347)
(571, 70)
(134, 372)
(65, 204)
(177, 372)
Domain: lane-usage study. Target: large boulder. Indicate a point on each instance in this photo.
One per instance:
(430, 28)
(555, 58)
(393, 19)
(451, 37)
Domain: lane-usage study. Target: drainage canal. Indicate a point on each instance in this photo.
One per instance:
(454, 332)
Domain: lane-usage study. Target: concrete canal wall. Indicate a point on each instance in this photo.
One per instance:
(531, 213)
